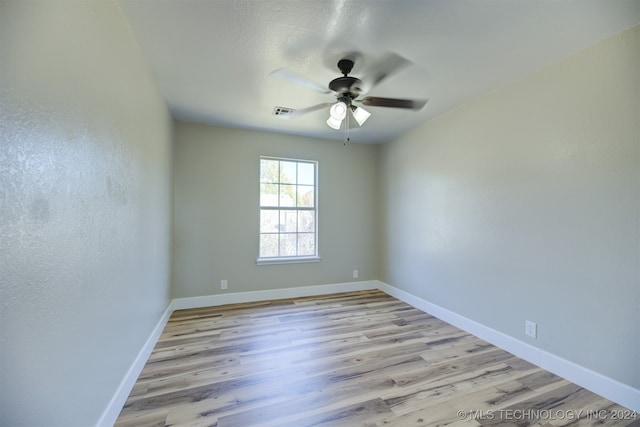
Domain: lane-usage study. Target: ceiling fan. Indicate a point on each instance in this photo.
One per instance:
(347, 89)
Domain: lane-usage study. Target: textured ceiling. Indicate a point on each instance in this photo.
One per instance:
(212, 59)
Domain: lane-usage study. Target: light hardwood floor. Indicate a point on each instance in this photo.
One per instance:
(351, 359)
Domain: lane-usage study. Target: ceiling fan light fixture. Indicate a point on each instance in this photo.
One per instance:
(360, 114)
(338, 111)
(334, 123)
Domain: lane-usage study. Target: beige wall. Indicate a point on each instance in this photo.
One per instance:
(525, 205)
(216, 172)
(84, 209)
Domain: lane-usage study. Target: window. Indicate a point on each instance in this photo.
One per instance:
(288, 210)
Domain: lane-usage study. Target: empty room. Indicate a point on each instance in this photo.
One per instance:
(319, 213)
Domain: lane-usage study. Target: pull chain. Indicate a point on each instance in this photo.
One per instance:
(346, 131)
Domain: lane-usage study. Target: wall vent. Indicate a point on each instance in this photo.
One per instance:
(282, 111)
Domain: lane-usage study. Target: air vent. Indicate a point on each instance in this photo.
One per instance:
(282, 111)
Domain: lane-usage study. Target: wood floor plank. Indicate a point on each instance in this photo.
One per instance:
(349, 359)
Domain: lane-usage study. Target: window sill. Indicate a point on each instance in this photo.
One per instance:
(292, 260)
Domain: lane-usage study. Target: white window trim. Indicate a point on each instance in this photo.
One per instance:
(297, 259)
(288, 260)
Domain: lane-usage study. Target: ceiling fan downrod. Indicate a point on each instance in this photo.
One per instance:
(346, 85)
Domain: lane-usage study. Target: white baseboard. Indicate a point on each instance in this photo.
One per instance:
(110, 414)
(271, 294)
(611, 389)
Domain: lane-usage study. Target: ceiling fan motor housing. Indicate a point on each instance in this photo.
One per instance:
(346, 86)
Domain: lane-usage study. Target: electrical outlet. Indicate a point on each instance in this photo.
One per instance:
(223, 284)
(531, 329)
(355, 274)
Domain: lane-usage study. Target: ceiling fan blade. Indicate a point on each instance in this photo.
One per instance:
(411, 104)
(298, 113)
(389, 64)
(292, 77)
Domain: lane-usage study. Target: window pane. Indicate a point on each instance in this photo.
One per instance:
(288, 221)
(306, 244)
(306, 173)
(269, 221)
(268, 245)
(306, 221)
(288, 172)
(306, 196)
(268, 194)
(287, 195)
(287, 245)
(269, 170)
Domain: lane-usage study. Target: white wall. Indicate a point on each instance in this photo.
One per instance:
(525, 205)
(216, 217)
(85, 202)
